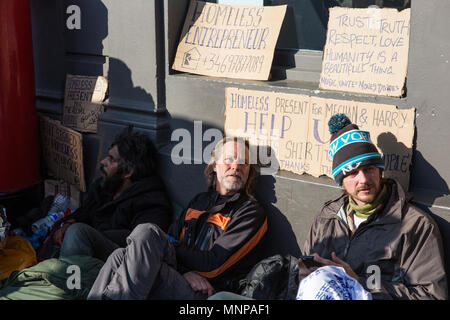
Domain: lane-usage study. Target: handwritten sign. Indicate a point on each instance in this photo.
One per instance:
(229, 41)
(366, 51)
(296, 128)
(62, 150)
(82, 102)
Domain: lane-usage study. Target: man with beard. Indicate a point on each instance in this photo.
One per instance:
(213, 244)
(128, 193)
(372, 241)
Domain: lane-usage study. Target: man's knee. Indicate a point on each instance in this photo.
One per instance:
(77, 230)
(77, 240)
(147, 232)
(116, 257)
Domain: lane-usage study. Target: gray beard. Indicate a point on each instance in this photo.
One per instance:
(235, 186)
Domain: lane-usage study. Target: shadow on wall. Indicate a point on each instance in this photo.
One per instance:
(396, 164)
(181, 163)
(122, 94)
(280, 238)
(86, 36)
(87, 56)
(86, 42)
(433, 185)
(428, 179)
(121, 85)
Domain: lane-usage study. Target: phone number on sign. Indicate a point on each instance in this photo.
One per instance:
(235, 63)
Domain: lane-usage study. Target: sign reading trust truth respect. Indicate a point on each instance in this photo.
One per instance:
(296, 128)
(229, 41)
(366, 51)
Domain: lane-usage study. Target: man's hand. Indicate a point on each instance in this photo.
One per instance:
(337, 262)
(59, 234)
(199, 283)
(303, 270)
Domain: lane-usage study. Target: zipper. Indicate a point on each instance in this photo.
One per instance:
(362, 227)
(351, 236)
(207, 237)
(189, 231)
(200, 234)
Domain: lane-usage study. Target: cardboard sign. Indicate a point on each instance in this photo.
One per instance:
(296, 128)
(366, 51)
(229, 41)
(82, 102)
(62, 149)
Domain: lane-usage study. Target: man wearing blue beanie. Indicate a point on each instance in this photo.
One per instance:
(372, 233)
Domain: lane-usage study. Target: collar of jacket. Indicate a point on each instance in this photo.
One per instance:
(215, 195)
(392, 213)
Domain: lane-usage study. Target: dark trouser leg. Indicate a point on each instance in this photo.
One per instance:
(144, 269)
(171, 285)
(82, 239)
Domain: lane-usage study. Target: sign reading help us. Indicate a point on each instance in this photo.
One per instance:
(295, 127)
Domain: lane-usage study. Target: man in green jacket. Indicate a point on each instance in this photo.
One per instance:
(391, 247)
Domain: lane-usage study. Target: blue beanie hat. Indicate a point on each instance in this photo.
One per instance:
(350, 148)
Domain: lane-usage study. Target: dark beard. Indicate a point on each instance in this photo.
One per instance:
(112, 184)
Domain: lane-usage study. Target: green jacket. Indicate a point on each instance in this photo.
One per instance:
(51, 279)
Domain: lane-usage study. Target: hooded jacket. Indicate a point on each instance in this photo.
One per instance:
(144, 201)
(402, 241)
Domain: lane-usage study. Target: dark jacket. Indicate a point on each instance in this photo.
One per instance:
(144, 201)
(403, 241)
(219, 237)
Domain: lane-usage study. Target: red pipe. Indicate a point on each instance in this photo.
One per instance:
(19, 150)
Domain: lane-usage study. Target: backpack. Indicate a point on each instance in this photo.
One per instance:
(273, 278)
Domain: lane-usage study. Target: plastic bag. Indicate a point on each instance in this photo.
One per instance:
(16, 253)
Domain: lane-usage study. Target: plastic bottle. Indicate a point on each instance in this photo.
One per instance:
(45, 224)
(60, 203)
(58, 209)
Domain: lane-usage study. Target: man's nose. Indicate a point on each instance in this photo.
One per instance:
(234, 165)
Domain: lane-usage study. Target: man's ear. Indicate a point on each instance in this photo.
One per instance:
(214, 167)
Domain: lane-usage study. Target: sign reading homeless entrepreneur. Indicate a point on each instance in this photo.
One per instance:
(229, 41)
(82, 102)
(62, 149)
(366, 51)
(296, 129)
